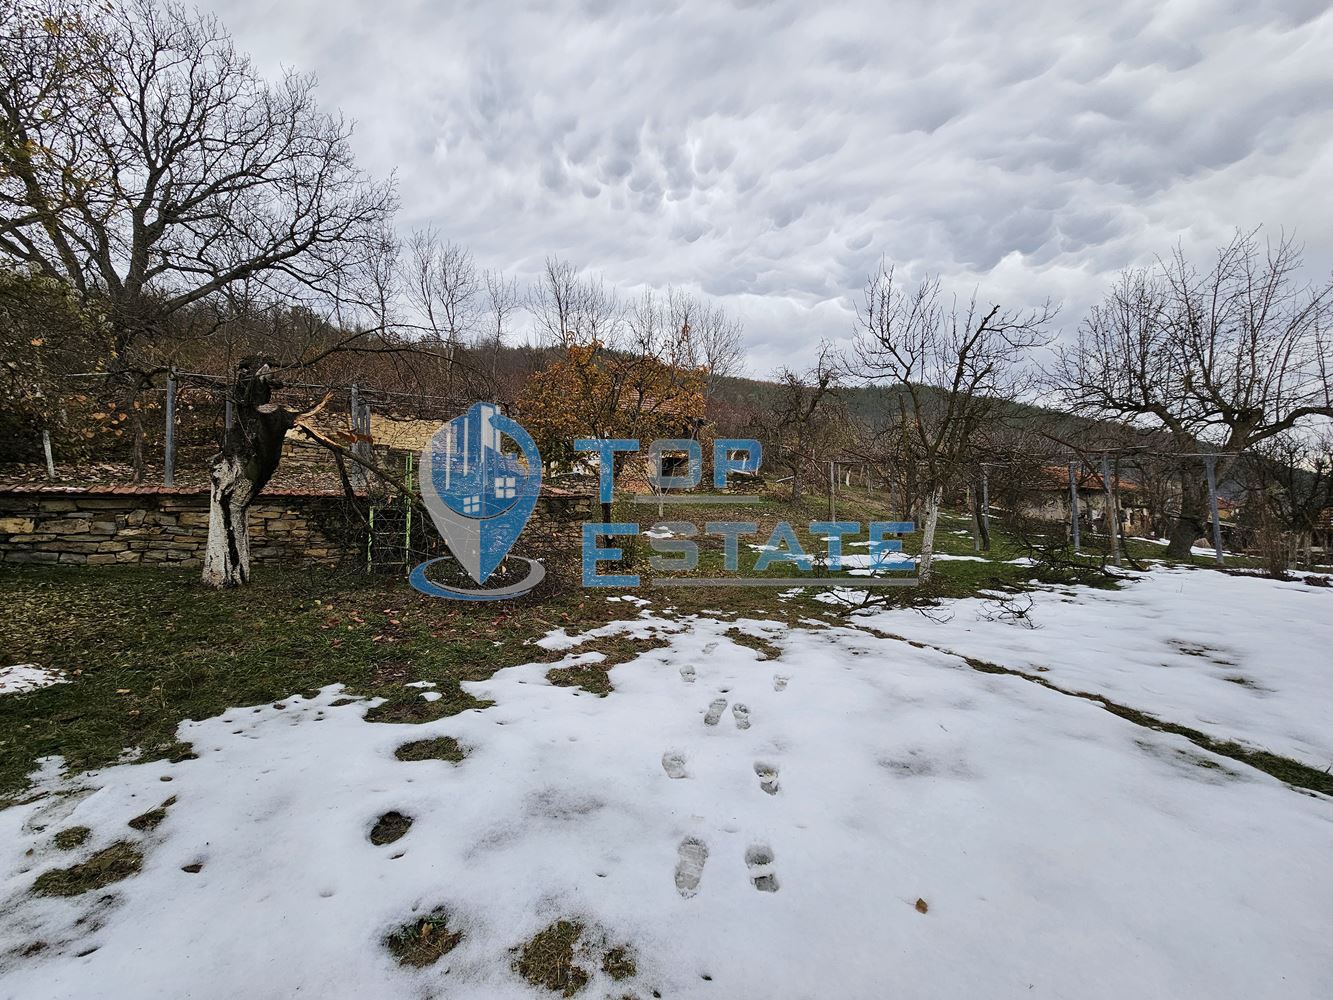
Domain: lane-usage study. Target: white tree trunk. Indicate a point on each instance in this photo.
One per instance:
(227, 557)
(928, 532)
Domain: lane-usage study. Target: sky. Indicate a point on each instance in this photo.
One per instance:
(769, 154)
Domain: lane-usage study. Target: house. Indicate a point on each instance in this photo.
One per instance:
(1049, 499)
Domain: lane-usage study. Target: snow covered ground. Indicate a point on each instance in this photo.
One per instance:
(1235, 657)
(1058, 850)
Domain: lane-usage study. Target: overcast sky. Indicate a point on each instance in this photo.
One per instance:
(767, 154)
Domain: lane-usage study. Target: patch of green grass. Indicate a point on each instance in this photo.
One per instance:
(595, 677)
(591, 677)
(111, 864)
(410, 707)
(439, 748)
(72, 837)
(548, 959)
(423, 941)
(153, 817)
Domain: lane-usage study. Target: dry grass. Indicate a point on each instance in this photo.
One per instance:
(767, 650)
(75, 836)
(389, 827)
(618, 963)
(423, 941)
(111, 864)
(548, 959)
(153, 817)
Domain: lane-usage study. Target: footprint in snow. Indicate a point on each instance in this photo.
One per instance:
(715, 708)
(780, 682)
(742, 714)
(691, 855)
(768, 777)
(759, 859)
(709, 648)
(673, 764)
(687, 673)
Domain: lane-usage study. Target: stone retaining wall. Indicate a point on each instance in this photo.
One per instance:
(155, 525)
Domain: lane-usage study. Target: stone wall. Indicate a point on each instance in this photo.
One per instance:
(169, 527)
(149, 525)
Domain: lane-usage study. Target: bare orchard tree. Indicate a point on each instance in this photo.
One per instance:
(1220, 359)
(956, 366)
(802, 421)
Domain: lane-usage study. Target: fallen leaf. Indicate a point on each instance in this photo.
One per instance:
(921, 906)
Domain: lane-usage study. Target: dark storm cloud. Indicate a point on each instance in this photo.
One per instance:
(769, 153)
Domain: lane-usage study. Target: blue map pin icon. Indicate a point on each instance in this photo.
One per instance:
(479, 491)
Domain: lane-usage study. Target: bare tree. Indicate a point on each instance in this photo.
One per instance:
(144, 162)
(1288, 485)
(503, 301)
(571, 309)
(956, 366)
(802, 421)
(443, 286)
(1220, 359)
(715, 338)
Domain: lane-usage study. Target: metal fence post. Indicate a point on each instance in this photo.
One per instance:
(169, 470)
(407, 504)
(1210, 465)
(1073, 507)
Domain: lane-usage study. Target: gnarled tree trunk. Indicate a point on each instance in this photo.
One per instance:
(227, 557)
(251, 451)
(1192, 523)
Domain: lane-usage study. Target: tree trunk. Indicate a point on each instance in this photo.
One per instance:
(227, 557)
(1192, 523)
(928, 533)
(979, 516)
(250, 454)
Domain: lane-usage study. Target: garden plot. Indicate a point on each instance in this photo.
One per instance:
(1239, 658)
(854, 816)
